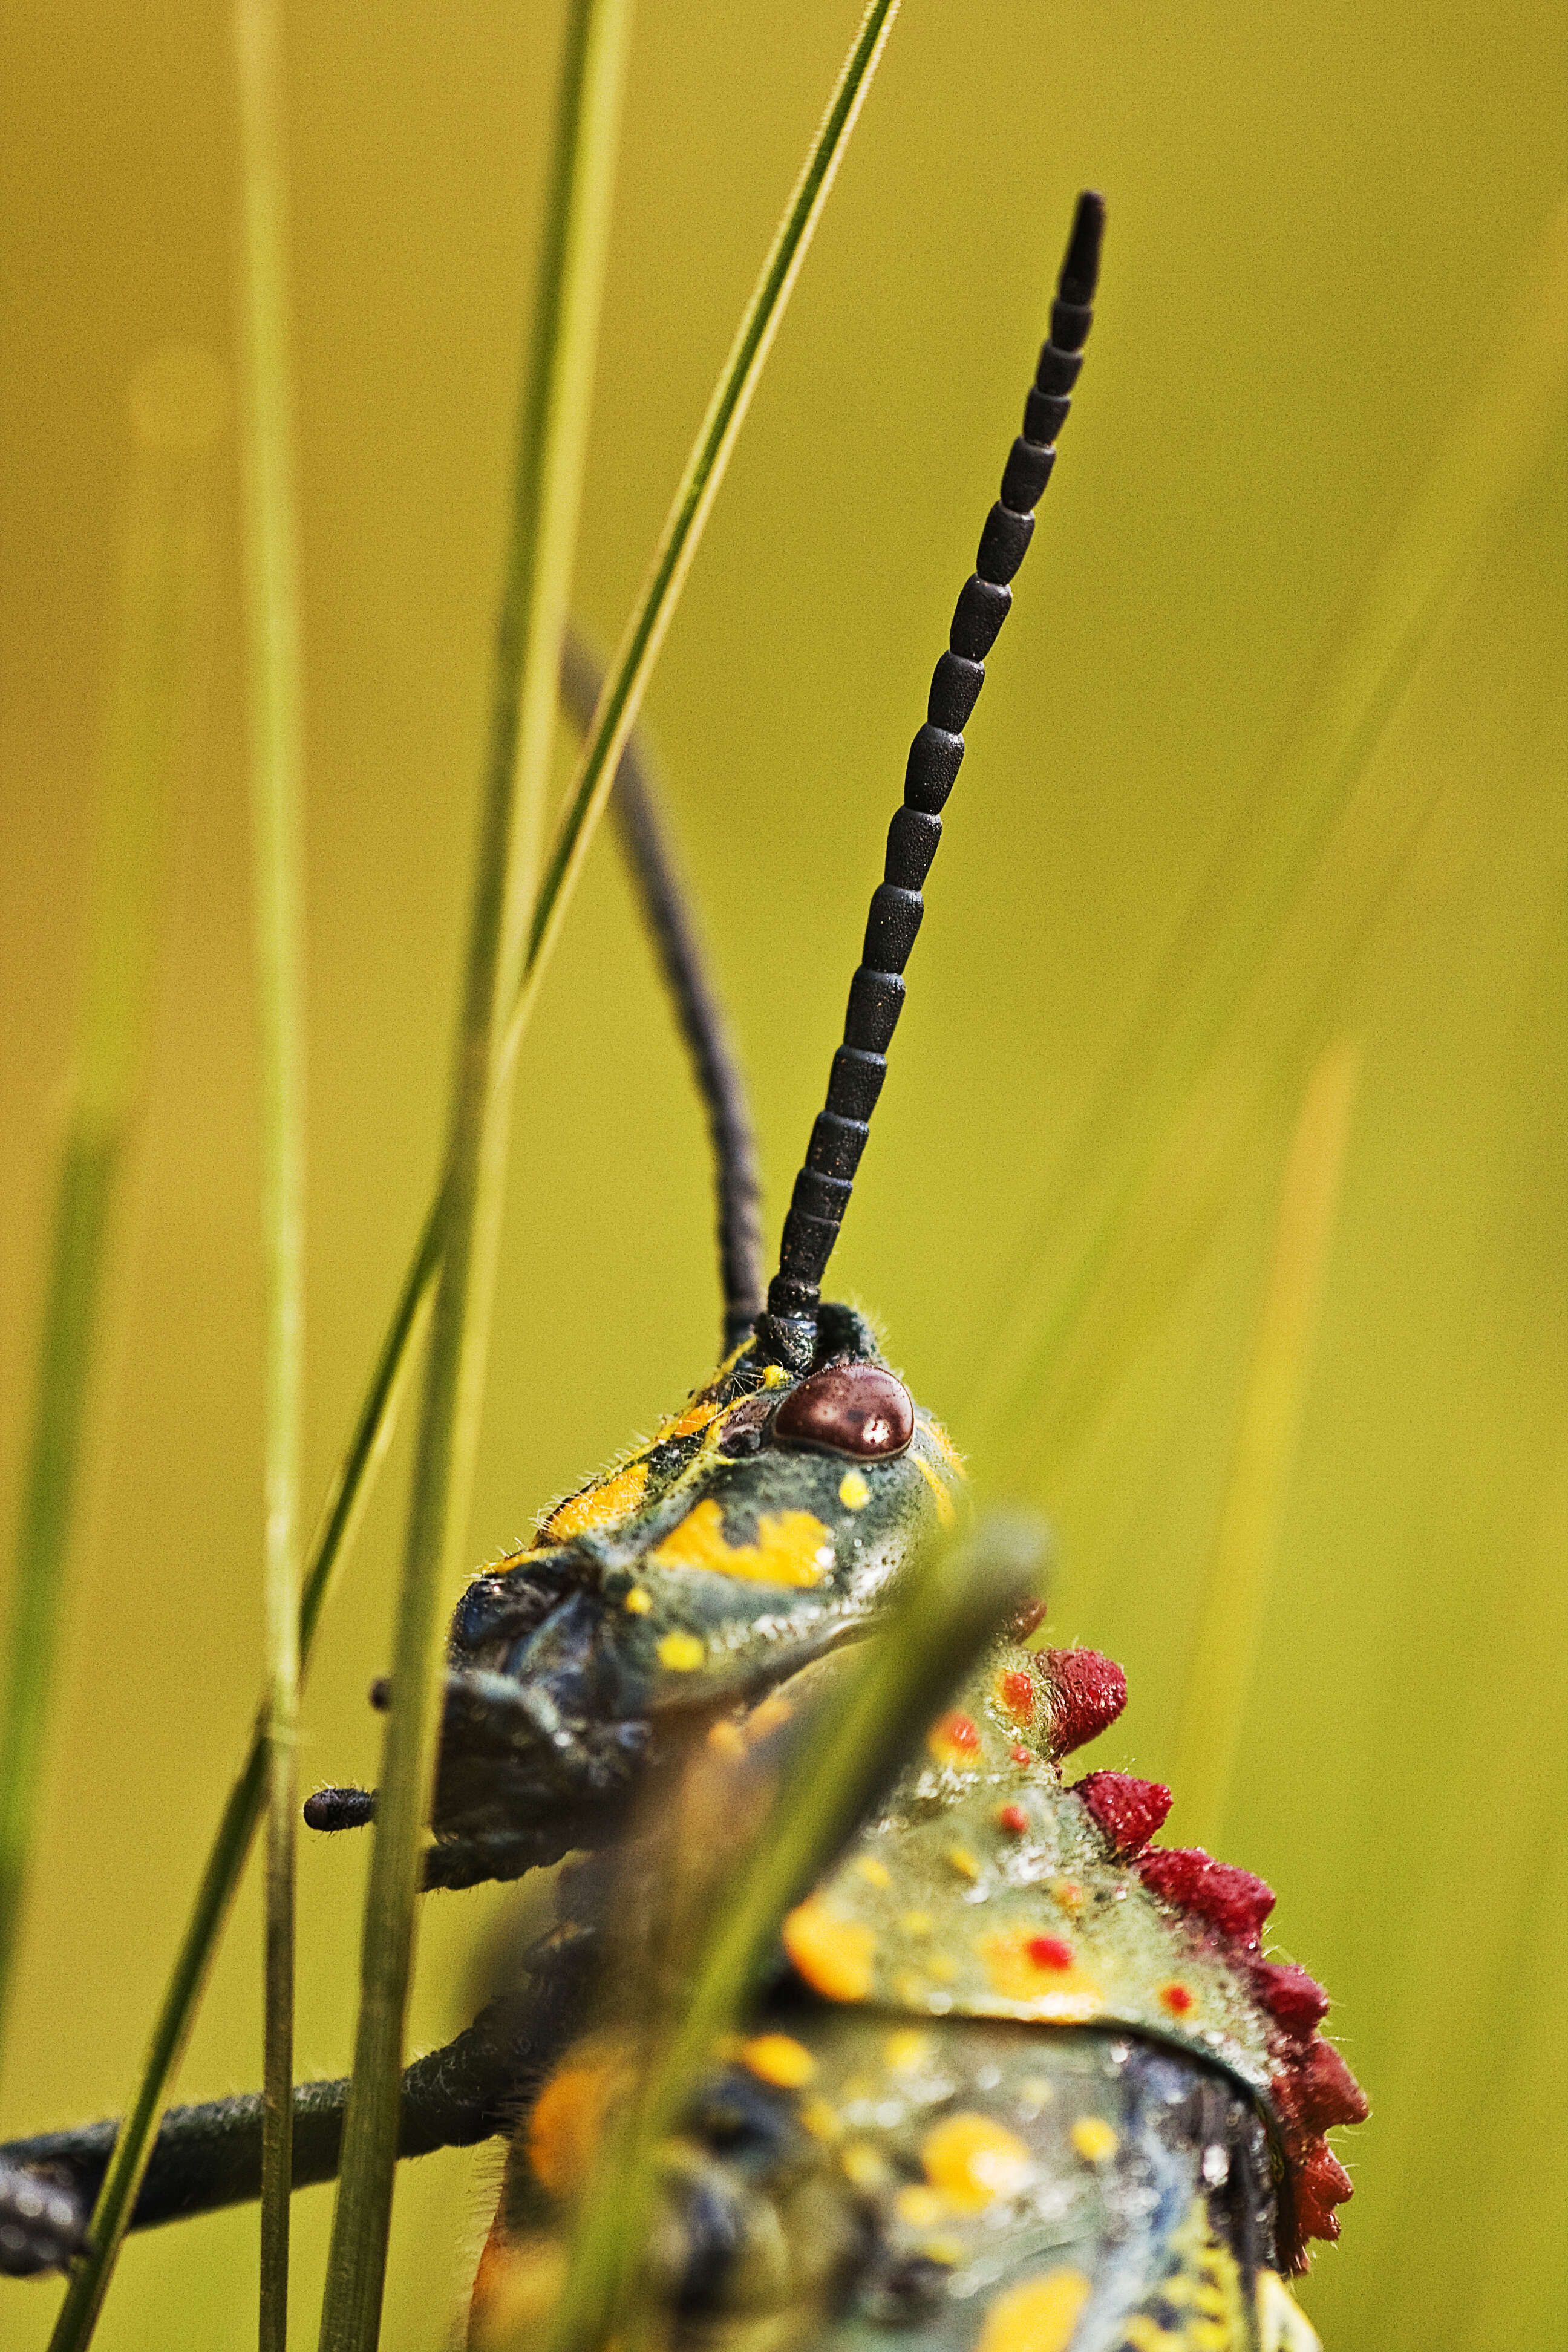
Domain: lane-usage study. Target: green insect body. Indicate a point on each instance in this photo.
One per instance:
(1023, 2082)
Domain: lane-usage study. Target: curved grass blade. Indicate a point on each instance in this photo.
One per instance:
(1236, 1589)
(177, 404)
(952, 1602)
(1282, 909)
(372, 1432)
(552, 461)
(276, 765)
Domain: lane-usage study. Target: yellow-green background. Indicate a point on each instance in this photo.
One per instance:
(1319, 215)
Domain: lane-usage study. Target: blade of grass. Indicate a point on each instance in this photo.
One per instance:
(1264, 877)
(177, 404)
(1240, 1570)
(277, 766)
(551, 459)
(372, 1432)
(952, 1602)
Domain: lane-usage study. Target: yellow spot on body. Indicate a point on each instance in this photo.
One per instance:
(874, 1873)
(1039, 2315)
(568, 2122)
(915, 1923)
(948, 2252)
(1058, 1996)
(768, 1716)
(864, 2165)
(854, 1491)
(1145, 2334)
(1094, 2140)
(774, 1376)
(775, 2058)
(945, 1512)
(792, 1547)
(682, 1653)
(834, 1955)
(1282, 2325)
(637, 1601)
(941, 1967)
(597, 1508)
(963, 1862)
(907, 2050)
(820, 2120)
(727, 1739)
(974, 2160)
(920, 2208)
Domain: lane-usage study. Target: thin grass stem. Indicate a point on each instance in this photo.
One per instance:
(551, 459)
(177, 406)
(277, 789)
(354, 1476)
(1241, 1567)
(952, 1602)
(1265, 882)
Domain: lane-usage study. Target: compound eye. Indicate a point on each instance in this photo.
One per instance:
(857, 1408)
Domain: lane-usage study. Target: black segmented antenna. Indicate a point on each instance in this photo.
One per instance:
(786, 1330)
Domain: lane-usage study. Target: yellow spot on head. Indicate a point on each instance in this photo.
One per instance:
(974, 2160)
(874, 1873)
(1039, 2315)
(854, 1490)
(1094, 2140)
(963, 1862)
(834, 1955)
(945, 1512)
(697, 1415)
(792, 1547)
(907, 2050)
(597, 1508)
(920, 2208)
(682, 1653)
(775, 2058)
(637, 1601)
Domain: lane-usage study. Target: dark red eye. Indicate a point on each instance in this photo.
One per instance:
(856, 1409)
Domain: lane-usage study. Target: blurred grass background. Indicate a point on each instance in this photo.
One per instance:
(1317, 220)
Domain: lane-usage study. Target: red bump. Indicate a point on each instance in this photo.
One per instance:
(1019, 1753)
(960, 1729)
(1049, 1952)
(1176, 1999)
(1233, 1901)
(1014, 1819)
(1016, 1692)
(1327, 2092)
(1322, 2184)
(1292, 1998)
(1088, 1693)
(1127, 1812)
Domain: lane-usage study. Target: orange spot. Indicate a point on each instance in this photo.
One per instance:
(775, 2058)
(727, 1739)
(974, 2160)
(792, 1547)
(604, 1506)
(1176, 1999)
(834, 1955)
(1019, 1753)
(1049, 1952)
(1040, 2315)
(568, 2121)
(1014, 1820)
(1015, 1692)
(697, 1415)
(955, 1740)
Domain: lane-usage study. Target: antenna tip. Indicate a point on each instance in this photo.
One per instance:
(1080, 264)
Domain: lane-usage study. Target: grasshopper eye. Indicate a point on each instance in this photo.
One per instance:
(857, 1408)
